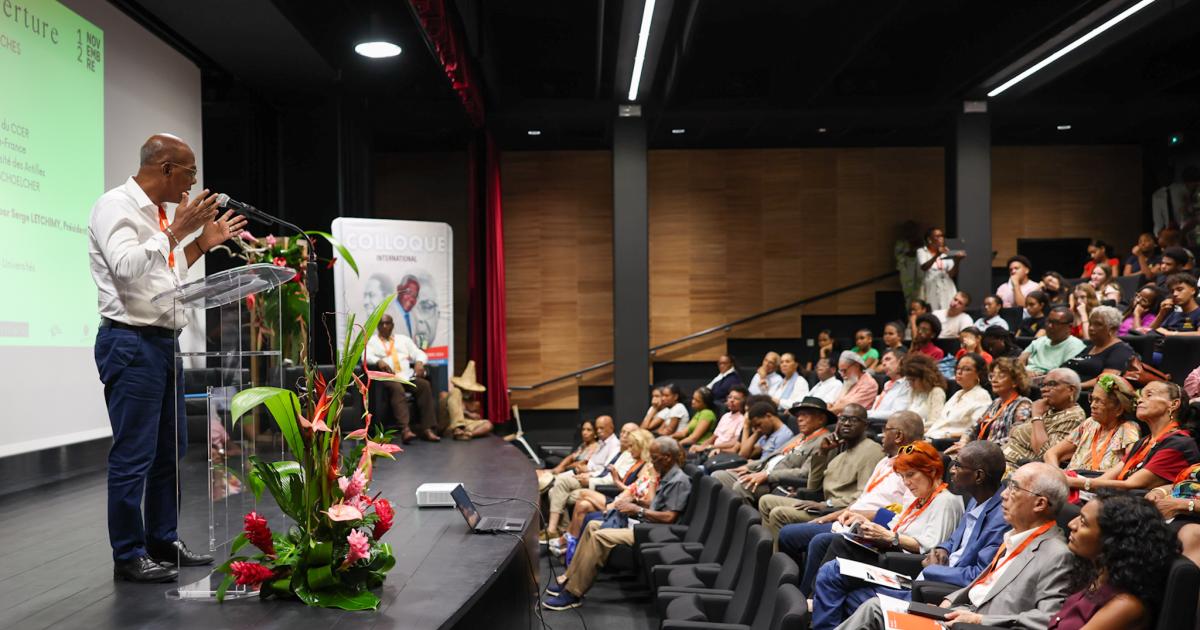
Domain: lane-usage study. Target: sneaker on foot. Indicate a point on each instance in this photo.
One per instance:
(563, 601)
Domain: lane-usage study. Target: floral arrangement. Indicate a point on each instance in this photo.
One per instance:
(292, 297)
(331, 554)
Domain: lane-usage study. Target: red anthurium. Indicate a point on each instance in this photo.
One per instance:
(387, 514)
(250, 573)
(258, 533)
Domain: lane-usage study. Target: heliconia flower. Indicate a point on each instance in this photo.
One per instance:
(343, 512)
(360, 547)
(353, 485)
(250, 573)
(271, 240)
(319, 425)
(258, 533)
(376, 448)
(387, 514)
(331, 263)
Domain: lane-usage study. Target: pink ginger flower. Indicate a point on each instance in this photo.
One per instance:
(271, 240)
(360, 547)
(353, 485)
(247, 236)
(250, 573)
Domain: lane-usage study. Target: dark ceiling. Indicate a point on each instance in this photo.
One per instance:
(730, 73)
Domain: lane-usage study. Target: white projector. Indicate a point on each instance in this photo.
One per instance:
(436, 494)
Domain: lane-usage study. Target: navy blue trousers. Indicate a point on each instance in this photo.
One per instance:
(143, 389)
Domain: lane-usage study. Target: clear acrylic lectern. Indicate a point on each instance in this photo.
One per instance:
(214, 494)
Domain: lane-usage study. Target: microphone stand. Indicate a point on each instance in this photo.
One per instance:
(310, 274)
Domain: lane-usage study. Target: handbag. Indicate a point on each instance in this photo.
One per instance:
(613, 519)
(723, 461)
(1140, 373)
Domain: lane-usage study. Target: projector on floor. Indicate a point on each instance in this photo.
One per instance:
(436, 494)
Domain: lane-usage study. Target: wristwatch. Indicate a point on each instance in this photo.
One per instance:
(1192, 506)
(641, 514)
(896, 540)
(1087, 484)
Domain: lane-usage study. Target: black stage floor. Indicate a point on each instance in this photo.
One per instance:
(56, 563)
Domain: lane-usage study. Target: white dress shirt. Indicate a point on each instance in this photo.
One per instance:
(790, 392)
(895, 396)
(719, 377)
(960, 412)
(608, 449)
(827, 390)
(128, 252)
(404, 354)
(756, 388)
(891, 490)
(978, 593)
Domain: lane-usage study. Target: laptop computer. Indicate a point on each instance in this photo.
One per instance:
(483, 525)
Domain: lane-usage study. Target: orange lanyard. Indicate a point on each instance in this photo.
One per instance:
(906, 518)
(993, 567)
(983, 429)
(390, 347)
(797, 442)
(1096, 457)
(162, 226)
(878, 479)
(1133, 461)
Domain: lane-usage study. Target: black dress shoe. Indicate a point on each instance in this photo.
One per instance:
(177, 552)
(143, 570)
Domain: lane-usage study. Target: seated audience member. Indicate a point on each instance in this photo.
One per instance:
(928, 386)
(1037, 304)
(828, 386)
(1057, 288)
(1105, 284)
(954, 317)
(1122, 557)
(896, 394)
(1029, 577)
(928, 329)
(652, 420)
(916, 308)
(999, 343)
(768, 432)
(793, 387)
(459, 408)
(1056, 347)
(1177, 503)
(955, 561)
(766, 376)
(1100, 256)
(966, 405)
(726, 438)
(671, 414)
(1174, 260)
(594, 470)
(397, 354)
(884, 489)
(1158, 457)
(1101, 441)
(991, 314)
(1179, 314)
(703, 422)
(863, 348)
(791, 466)
(727, 377)
(591, 552)
(1019, 285)
(1009, 408)
(827, 348)
(851, 458)
(1083, 302)
(1141, 312)
(576, 460)
(1145, 249)
(636, 480)
(970, 339)
(1053, 417)
(1108, 354)
(858, 388)
(893, 336)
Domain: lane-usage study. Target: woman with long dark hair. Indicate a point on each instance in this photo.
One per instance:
(1123, 553)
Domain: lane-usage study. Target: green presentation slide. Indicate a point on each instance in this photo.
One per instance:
(51, 172)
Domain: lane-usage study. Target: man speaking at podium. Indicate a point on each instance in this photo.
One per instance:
(136, 253)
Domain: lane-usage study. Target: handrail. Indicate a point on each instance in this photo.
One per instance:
(708, 331)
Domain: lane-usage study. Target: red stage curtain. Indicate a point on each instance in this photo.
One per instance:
(486, 318)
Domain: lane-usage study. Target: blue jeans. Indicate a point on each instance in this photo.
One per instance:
(143, 390)
(798, 539)
(838, 596)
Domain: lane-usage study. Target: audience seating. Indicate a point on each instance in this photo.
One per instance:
(1178, 609)
(1179, 357)
(692, 530)
(738, 605)
(783, 608)
(721, 576)
(705, 551)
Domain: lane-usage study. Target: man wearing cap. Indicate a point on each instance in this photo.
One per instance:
(791, 465)
(459, 408)
(856, 389)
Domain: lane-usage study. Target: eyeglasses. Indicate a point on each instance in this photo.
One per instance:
(190, 171)
(1050, 384)
(964, 368)
(957, 463)
(1057, 322)
(851, 419)
(1012, 485)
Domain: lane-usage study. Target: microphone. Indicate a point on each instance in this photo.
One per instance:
(224, 201)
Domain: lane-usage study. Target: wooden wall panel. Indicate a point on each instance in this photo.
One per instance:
(558, 258)
(1066, 191)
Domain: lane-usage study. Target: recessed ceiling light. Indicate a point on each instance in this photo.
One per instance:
(1063, 127)
(377, 50)
(678, 131)
(821, 130)
(534, 132)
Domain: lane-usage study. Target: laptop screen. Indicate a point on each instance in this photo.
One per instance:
(464, 505)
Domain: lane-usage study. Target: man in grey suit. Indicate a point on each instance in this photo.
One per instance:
(791, 466)
(1027, 581)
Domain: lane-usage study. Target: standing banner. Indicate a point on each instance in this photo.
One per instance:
(411, 264)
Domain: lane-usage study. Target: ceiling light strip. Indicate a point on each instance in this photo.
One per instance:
(639, 58)
(1092, 34)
